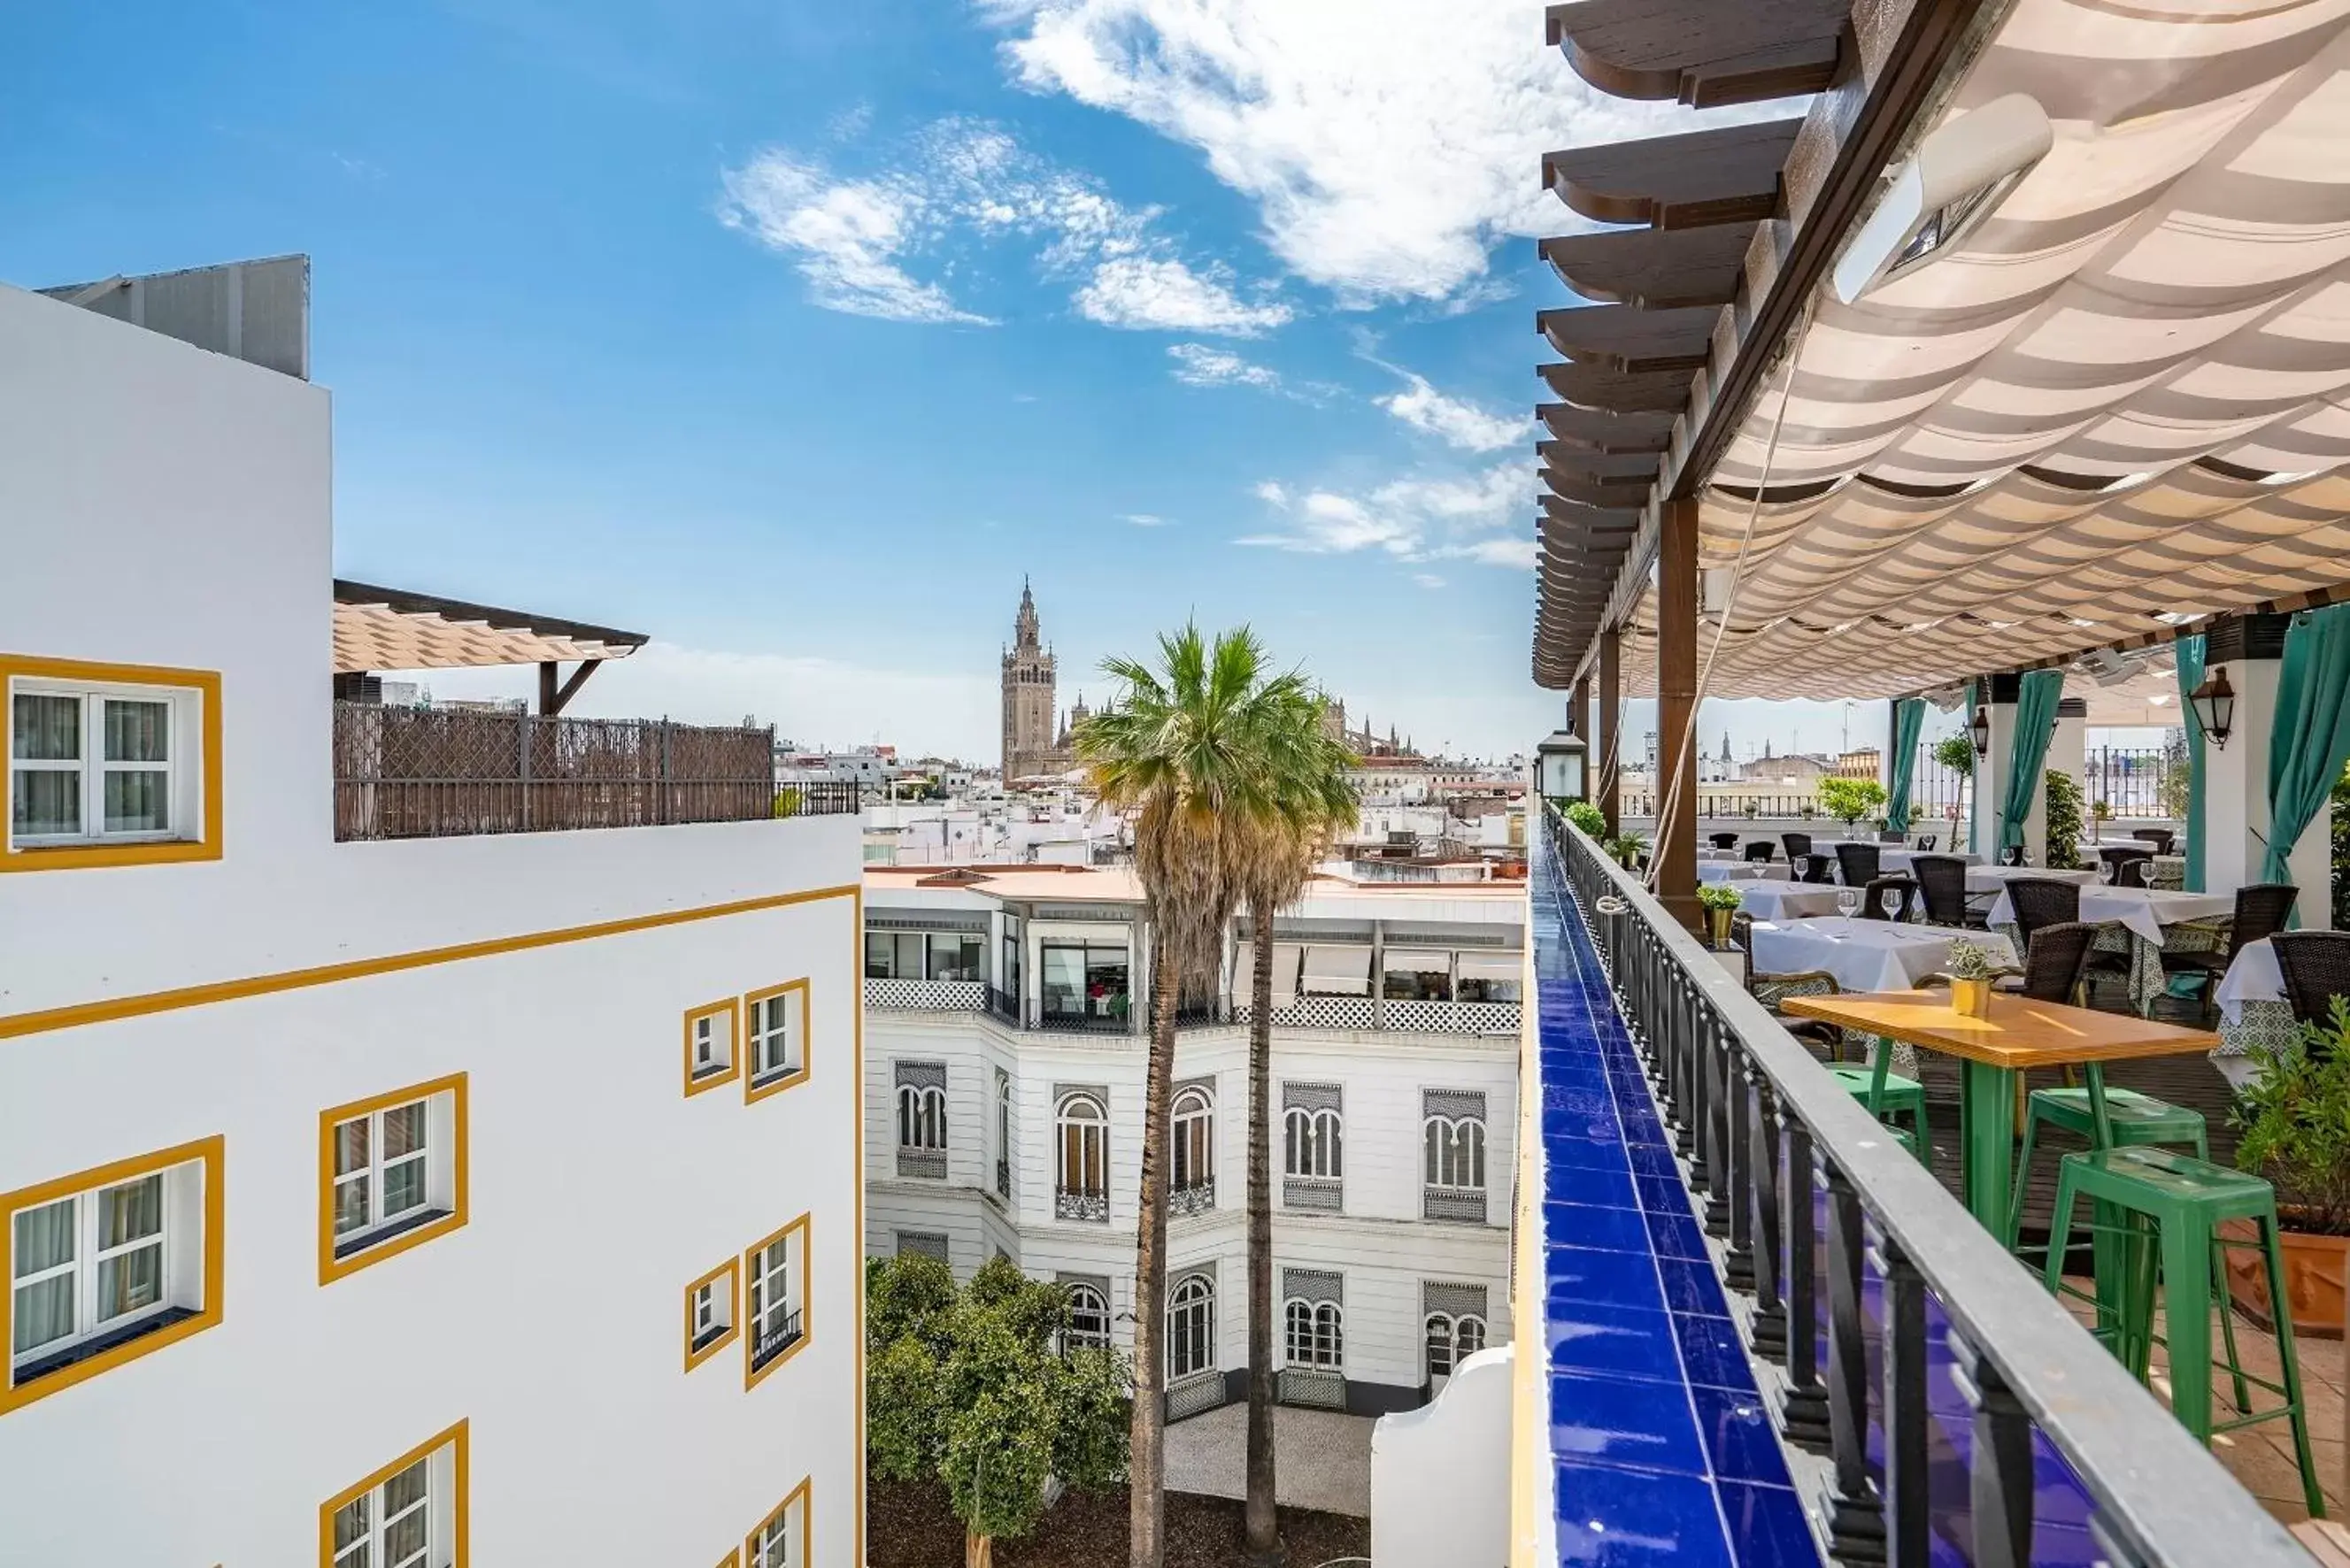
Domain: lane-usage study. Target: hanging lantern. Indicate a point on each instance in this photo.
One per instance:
(2214, 703)
(1980, 727)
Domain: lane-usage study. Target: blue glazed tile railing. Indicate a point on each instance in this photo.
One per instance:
(1958, 1416)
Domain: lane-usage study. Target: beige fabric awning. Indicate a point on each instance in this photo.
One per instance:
(2122, 403)
(380, 628)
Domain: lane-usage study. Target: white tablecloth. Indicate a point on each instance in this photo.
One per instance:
(2254, 976)
(1785, 900)
(1892, 860)
(1866, 955)
(1740, 871)
(2142, 910)
(1994, 878)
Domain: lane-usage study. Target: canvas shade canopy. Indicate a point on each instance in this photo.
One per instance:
(2120, 405)
(392, 628)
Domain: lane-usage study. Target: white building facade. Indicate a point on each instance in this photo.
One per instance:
(1003, 1106)
(464, 1199)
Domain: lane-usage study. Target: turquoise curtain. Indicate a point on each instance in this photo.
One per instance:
(2310, 739)
(1974, 792)
(2190, 676)
(2035, 724)
(1908, 715)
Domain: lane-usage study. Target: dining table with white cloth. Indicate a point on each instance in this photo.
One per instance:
(2139, 922)
(1861, 954)
(2254, 1008)
(1784, 900)
(1995, 878)
(1742, 871)
(1892, 860)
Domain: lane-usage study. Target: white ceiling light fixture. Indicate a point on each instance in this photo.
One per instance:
(1957, 179)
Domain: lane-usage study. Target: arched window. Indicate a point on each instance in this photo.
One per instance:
(1003, 1135)
(1313, 1143)
(1192, 1327)
(1089, 1320)
(1083, 1154)
(1194, 1163)
(1455, 1151)
(1316, 1333)
(921, 1116)
(1452, 1341)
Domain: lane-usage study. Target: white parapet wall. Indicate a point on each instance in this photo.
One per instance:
(1440, 1474)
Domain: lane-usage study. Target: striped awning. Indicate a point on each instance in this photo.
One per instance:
(379, 628)
(2122, 403)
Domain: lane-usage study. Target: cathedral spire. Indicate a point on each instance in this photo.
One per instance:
(1024, 626)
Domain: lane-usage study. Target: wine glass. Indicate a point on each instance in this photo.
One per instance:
(1848, 901)
(2105, 872)
(1889, 900)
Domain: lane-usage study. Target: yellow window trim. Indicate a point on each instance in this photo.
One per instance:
(731, 1559)
(212, 1153)
(733, 1008)
(84, 857)
(331, 1268)
(459, 1511)
(731, 1269)
(800, 1494)
(754, 1375)
(754, 1093)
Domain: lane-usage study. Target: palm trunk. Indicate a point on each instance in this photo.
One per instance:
(1147, 1460)
(978, 1550)
(1264, 1529)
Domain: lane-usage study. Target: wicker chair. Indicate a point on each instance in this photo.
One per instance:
(2159, 838)
(2262, 910)
(1770, 990)
(2054, 960)
(1814, 869)
(2043, 901)
(1872, 898)
(1761, 850)
(2137, 871)
(2120, 854)
(1942, 883)
(2316, 966)
(1861, 864)
(1722, 840)
(1798, 844)
(2168, 874)
(1926, 842)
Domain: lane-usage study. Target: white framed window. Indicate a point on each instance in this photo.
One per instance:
(921, 1116)
(1314, 1143)
(411, 1514)
(1313, 1335)
(1194, 1162)
(774, 1281)
(775, 1030)
(709, 1309)
(1192, 1327)
(1450, 1341)
(1453, 1152)
(395, 1167)
(781, 1539)
(1089, 1320)
(1082, 1161)
(710, 1054)
(103, 763)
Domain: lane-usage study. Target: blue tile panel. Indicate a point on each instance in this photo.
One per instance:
(1662, 1451)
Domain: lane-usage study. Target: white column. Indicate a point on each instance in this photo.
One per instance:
(2236, 782)
(2067, 753)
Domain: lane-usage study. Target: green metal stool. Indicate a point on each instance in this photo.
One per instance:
(1886, 1093)
(2172, 1206)
(2133, 1120)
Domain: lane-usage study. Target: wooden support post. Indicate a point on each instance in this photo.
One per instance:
(553, 699)
(1607, 759)
(1676, 848)
(1579, 721)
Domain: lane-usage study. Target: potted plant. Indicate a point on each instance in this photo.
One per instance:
(1627, 849)
(1971, 969)
(2101, 812)
(1850, 800)
(1720, 900)
(2295, 1117)
(1586, 817)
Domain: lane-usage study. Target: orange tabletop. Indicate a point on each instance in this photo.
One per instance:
(2019, 1033)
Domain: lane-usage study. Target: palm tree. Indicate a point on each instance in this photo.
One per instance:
(1186, 751)
(1312, 801)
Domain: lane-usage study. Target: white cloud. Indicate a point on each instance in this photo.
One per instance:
(1458, 422)
(1479, 517)
(1144, 519)
(1198, 365)
(1428, 580)
(1387, 144)
(852, 237)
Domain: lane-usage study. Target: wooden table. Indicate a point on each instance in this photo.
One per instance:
(1991, 1051)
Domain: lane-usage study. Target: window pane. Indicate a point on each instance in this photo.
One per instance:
(137, 731)
(350, 1204)
(404, 1489)
(350, 1522)
(47, 802)
(129, 1283)
(45, 1237)
(45, 729)
(131, 1211)
(137, 802)
(350, 1146)
(908, 961)
(404, 1542)
(403, 1130)
(44, 1311)
(878, 950)
(403, 1187)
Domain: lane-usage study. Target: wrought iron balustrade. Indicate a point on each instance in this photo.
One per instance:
(1079, 1203)
(1195, 1197)
(1461, 1205)
(775, 1341)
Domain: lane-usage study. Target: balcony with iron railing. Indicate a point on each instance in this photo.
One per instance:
(1486, 1020)
(439, 773)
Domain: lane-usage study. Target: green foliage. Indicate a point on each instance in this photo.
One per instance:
(1850, 800)
(2342, 852)
(1627, 847)
(969, 1388)
(2174, 785)
(1586, 815)
(2061, 803)
(1718, 896)
(1969, 960)
(2103, 810)
(1956, 752)
(787, 802)
(2294, 1116)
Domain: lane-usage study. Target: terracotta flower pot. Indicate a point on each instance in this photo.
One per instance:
(2314, 1267)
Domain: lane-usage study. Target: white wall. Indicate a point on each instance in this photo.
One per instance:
(169, 506)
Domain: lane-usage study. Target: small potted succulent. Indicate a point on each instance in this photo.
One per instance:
(1720, 900)
(2101, 812)
(1627, 849)
(1970, 968)
(2294, 1116)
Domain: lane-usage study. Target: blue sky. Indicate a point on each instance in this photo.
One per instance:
(795, 334)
